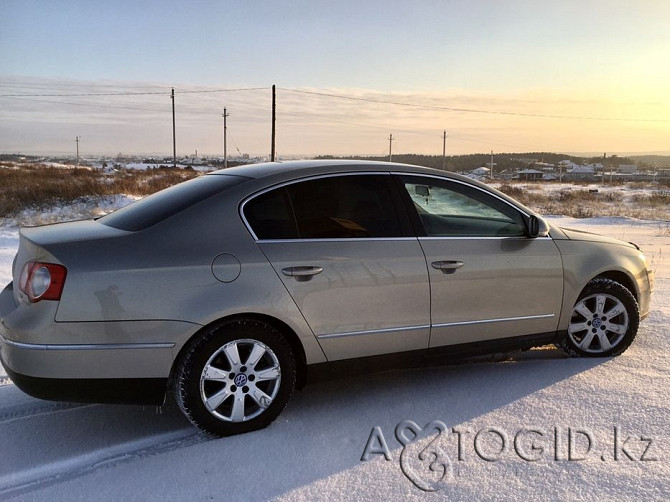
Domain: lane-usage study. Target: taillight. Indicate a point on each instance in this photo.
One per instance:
(42, 281)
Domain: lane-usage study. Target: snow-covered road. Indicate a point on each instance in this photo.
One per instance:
(539, 427)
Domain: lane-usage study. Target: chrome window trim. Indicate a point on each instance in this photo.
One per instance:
(333, 239)
(482, 237)
(371, 332)
(369, 173)
(504, 319)
(292, 182)
(463, 183)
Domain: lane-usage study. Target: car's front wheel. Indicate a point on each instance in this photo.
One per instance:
(604, 320)
(237, 377)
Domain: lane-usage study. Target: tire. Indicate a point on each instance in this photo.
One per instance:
(604, 321)
(235, 378)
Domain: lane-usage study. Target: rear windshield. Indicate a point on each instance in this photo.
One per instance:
(161, 205)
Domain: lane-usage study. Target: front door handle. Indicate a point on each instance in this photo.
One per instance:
(447, 266)
(301, 274)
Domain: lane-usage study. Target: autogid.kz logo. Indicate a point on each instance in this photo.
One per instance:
(429, 454)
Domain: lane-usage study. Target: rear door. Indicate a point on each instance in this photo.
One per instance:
(343, 247)
(489, 280)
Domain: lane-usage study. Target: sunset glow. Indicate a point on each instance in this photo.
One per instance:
(506, 76)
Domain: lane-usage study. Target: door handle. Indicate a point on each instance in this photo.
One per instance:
(301, 274)
(447, 267)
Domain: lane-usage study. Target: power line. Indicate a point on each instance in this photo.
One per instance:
(83, 104)
(467, 110)
(78, 95)
(51, 84)
(185, 110)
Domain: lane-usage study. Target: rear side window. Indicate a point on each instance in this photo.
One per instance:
(335, 207)
(161, 205)
(270, 216)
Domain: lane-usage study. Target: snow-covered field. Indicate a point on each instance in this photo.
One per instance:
(518, 429)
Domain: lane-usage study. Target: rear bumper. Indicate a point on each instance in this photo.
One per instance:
(84, 372)
(102, 390)
(68, 373)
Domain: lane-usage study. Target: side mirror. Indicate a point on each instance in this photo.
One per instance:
(537, 227)
(422, 190)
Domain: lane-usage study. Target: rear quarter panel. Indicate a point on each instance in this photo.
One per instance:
(164, 273)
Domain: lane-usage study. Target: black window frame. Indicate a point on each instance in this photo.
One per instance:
(405, 226)
(459, 187)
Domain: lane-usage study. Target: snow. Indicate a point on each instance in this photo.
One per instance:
(63, 451)
(143, 166)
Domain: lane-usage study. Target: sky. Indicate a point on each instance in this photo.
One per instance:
(512, 76)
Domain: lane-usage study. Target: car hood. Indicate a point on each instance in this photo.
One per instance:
(581, 235)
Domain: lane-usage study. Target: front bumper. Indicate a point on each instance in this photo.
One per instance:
(645, 296)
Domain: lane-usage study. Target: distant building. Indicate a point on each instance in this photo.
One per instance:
(531, 174)
(576, 172)
(627, 169)
(481, 171)
(544, 166)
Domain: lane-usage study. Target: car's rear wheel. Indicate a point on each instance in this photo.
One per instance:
(604, 320)
(237, 377)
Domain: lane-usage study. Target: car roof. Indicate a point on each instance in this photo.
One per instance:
(271, 173)
(279, 171)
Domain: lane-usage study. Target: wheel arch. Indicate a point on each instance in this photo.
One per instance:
(282, 327)
(622, 278)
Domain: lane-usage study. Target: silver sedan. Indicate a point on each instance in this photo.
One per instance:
(232, 288)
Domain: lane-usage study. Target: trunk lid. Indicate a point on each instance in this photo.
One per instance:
(44, 243)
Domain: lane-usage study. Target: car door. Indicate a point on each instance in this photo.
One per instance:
(489, 280)
(344, 249)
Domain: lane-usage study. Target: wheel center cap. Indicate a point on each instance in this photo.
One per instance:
(597, 323)
(240, 380)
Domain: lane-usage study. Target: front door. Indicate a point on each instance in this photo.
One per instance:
(489, 280)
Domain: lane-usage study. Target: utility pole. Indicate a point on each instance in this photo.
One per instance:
(274, 121)
(77, 140)
(491, 172)
(390, 149)
(444, 151)
(225, 148)
(174, 136)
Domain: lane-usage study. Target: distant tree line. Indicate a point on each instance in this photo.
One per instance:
(502, 161)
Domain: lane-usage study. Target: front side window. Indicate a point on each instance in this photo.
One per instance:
(335, 207)
(450, 209)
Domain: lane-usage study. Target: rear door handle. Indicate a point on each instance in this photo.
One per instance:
(301, 274)
(447, 266)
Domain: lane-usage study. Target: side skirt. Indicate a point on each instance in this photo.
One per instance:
(438, 355)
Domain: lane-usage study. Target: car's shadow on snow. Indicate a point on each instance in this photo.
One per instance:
(323, 430)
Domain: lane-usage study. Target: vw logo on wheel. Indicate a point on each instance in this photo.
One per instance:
(240, 380)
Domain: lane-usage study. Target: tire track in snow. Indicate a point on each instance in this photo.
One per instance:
(44, 476)
(20, 412)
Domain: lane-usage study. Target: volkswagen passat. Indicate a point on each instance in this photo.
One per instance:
(228, 288)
